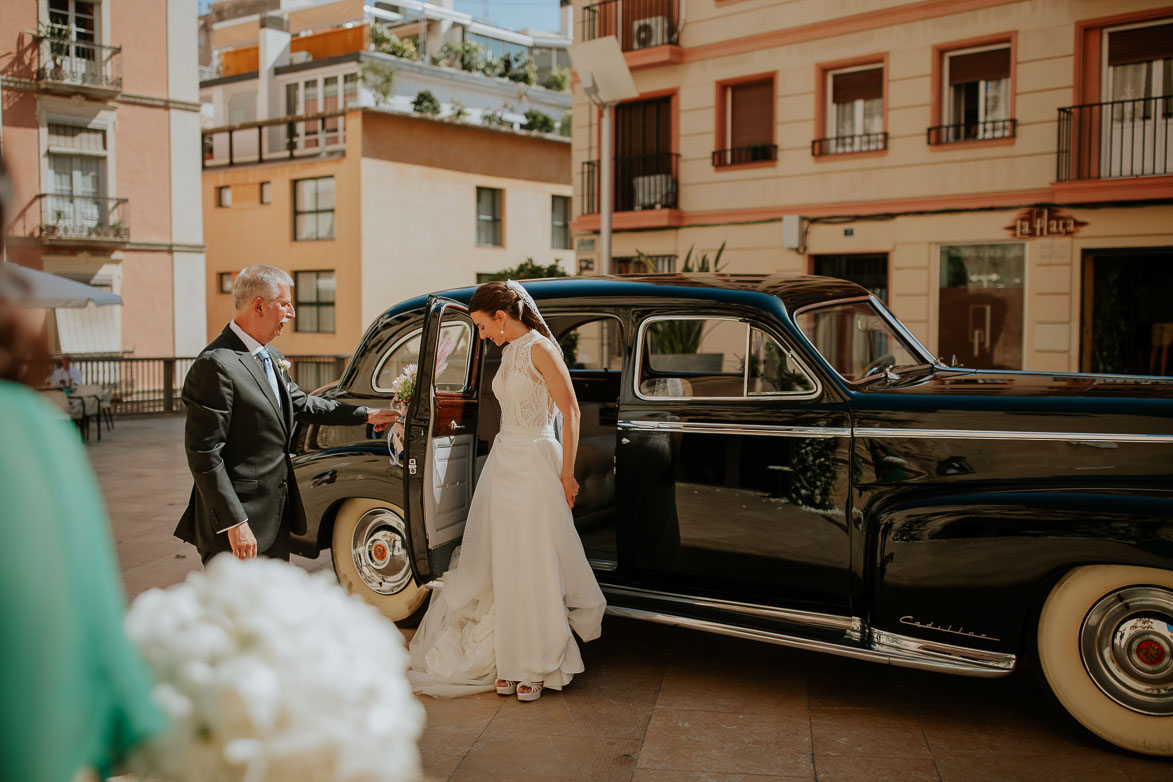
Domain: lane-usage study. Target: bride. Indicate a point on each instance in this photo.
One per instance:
(520, 581)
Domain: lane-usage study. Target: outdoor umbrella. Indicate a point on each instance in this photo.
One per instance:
(31, 288)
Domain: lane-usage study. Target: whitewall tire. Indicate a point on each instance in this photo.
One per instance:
(372, 559)
(1105, 644)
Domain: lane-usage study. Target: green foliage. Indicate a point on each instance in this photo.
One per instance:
(812, 474)
(564, 125)
(379, 78)
(558, 79)
(539, 121)
(426, 103)
(497, 118)
(387, 42)
(528, 270)
(459, 111)
(467, 56)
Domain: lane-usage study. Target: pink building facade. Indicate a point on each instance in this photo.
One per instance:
(100, 122)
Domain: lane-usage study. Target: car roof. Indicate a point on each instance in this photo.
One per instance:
(795, 291)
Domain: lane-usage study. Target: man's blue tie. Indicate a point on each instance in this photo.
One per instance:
(263, 355)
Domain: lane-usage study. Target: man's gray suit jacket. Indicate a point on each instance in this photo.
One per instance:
(238, 441)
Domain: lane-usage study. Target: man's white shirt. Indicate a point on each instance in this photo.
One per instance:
(65, 377)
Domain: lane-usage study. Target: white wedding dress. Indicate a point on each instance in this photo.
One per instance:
(520, 582)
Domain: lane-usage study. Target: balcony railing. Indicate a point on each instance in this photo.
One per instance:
(641, 182)
(83, 218)
(81, 65)
(842, 145)
(758, 153)
(971, 131)
(639, 24)
(284, 138)
(1120, 138)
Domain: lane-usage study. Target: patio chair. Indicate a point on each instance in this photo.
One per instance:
(101, 399)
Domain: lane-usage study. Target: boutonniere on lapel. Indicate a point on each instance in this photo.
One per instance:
(283, 364)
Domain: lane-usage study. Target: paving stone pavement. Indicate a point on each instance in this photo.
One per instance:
(661, 704)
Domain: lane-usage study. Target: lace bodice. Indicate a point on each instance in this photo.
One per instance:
(521, 389)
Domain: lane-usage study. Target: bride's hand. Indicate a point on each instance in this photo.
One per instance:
(570, 487)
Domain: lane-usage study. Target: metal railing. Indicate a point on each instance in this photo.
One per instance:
(1119, 138)
(142, 386)
(971, 131)
(95, 219)
(842, 145)
(283, 138)
(638, 24)
(79, 63)
(641, 182)
(757, 153)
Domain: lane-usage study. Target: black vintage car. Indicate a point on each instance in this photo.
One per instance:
(778, 458)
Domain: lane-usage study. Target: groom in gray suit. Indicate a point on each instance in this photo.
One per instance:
(241, 405)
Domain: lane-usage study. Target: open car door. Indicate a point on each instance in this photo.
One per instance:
(441, 430)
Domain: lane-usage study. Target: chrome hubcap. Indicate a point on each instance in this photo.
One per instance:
(1127, 648)
(379, 549)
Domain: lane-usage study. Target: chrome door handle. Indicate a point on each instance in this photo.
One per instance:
(455, 427)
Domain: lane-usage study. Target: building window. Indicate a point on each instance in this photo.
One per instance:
(313, 209)
(224, 196)
(350, 90)
(489, 216)
(854, 111)
(78, 205)
(314, 302)
(869, 270)
(226, 282)
(745, 117)
(980, 320)
(266, 192)
(76, 21)
(560, 222)
(1137, 138)
(645, 264)
(976, 95)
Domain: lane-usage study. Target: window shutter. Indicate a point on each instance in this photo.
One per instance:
(979, 66)
(1140, 44)
(857, 85)
(751, 112)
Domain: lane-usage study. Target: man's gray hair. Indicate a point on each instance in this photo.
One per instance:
(258, 280)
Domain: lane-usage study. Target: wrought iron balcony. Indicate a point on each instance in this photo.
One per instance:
(758, 153)
(641, 182)
(79, 66)
(971, 131)
(638, 24)
(1119, 138)
(842, 145)
(83, 219)
(283, 138)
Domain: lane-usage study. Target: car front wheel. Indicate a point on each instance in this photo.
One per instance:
(371, 558)
(1105, 643)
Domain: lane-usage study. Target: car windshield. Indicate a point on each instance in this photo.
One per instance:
(856, 339)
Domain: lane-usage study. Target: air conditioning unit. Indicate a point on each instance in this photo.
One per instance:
(654, 191)
(652, 31)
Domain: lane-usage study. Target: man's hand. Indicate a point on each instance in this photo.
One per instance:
(381, 418)
(243, 542)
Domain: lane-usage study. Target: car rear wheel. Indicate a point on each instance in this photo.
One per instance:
(371, 558)
(1105, 643)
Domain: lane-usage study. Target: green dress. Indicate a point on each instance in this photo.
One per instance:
(73, 690)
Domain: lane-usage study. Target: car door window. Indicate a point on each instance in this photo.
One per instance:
(690, 358)
(452, 357)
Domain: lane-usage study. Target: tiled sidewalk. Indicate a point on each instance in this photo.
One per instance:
(659, 704)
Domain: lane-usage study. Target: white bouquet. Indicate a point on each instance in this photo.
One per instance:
(268, 674)
(403, 387)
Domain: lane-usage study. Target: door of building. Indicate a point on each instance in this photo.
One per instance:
(644, 163)
(1127, 313)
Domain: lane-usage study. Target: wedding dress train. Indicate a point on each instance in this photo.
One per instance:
(520, 582)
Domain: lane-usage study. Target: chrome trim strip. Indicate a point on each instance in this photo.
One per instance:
(919, 647)
(980, 434)
(747, 429)
(639, 358)
(605, 565)
(933, 657)
(831, 621)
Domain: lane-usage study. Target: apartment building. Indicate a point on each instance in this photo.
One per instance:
(99, 111)
(365, 203)
(998, 171)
